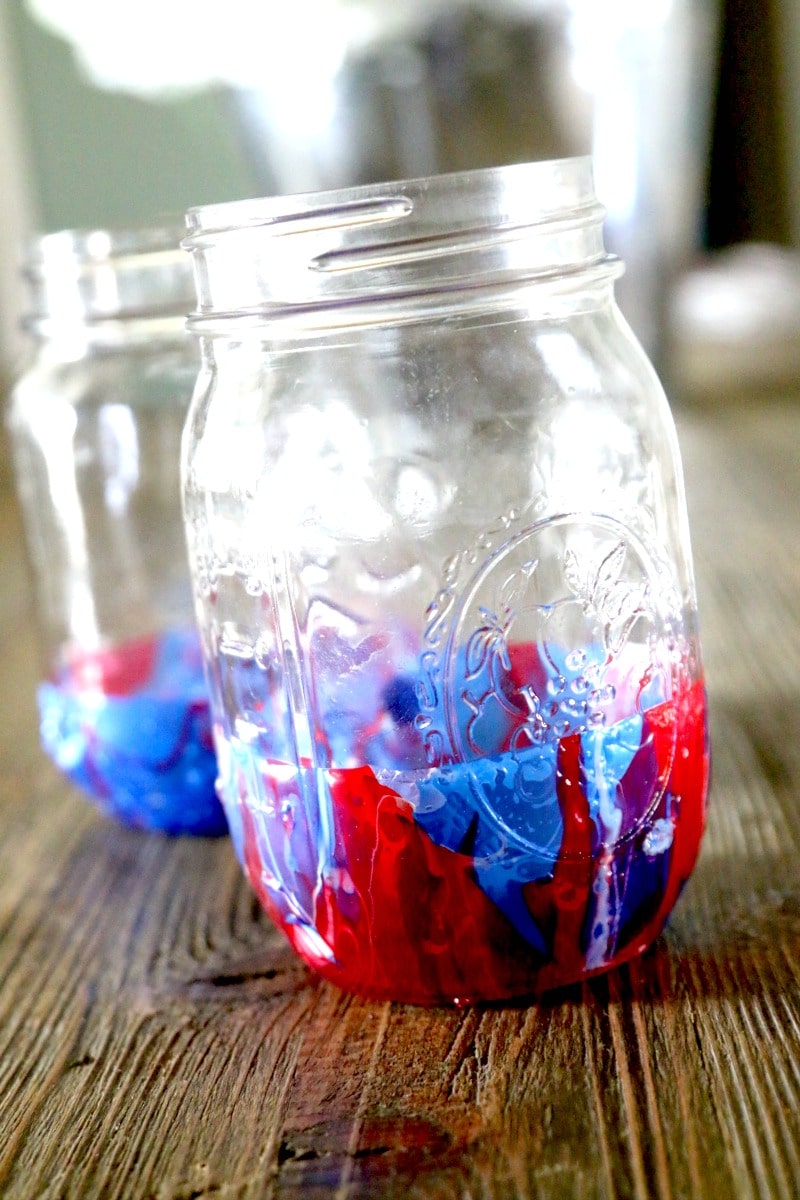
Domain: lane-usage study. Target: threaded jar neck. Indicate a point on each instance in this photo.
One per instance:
(102, 283)
(380, 252)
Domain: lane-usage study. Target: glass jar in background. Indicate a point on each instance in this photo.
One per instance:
(95, 425)
(439, 543)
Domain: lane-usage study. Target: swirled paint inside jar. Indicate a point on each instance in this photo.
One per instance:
(130, 726)
(549, 854)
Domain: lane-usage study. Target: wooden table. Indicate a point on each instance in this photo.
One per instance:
(158, 1039)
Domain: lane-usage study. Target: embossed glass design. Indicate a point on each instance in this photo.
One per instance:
(95, 425)
(439, 542)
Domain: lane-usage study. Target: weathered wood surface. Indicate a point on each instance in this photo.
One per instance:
(157, 1039)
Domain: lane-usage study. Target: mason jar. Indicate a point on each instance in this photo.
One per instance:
(439, 545)
(95, 424)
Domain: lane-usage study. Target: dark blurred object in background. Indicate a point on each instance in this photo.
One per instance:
(748, 195)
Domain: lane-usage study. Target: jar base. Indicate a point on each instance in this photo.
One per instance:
(397, 916)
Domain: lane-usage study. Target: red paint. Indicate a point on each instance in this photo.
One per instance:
(423, 930)
(118, 671)
(406, 919)
(560, 904)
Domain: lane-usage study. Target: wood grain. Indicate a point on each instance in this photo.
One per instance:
(158, 1040)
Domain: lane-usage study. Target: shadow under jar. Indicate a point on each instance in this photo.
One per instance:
(439, 543)
(95, 425)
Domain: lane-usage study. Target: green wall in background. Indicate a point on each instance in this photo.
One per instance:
(101, 158)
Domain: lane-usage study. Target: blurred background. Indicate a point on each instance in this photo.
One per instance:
(121, 113)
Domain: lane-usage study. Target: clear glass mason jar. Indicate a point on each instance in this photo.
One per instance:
(95, 425)
(439, 543)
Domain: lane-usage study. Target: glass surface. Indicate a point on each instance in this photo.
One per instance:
(439, 544)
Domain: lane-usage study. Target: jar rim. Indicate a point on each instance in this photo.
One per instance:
(556, 184)
(95, 243)
(323, 259)
(83, 278)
